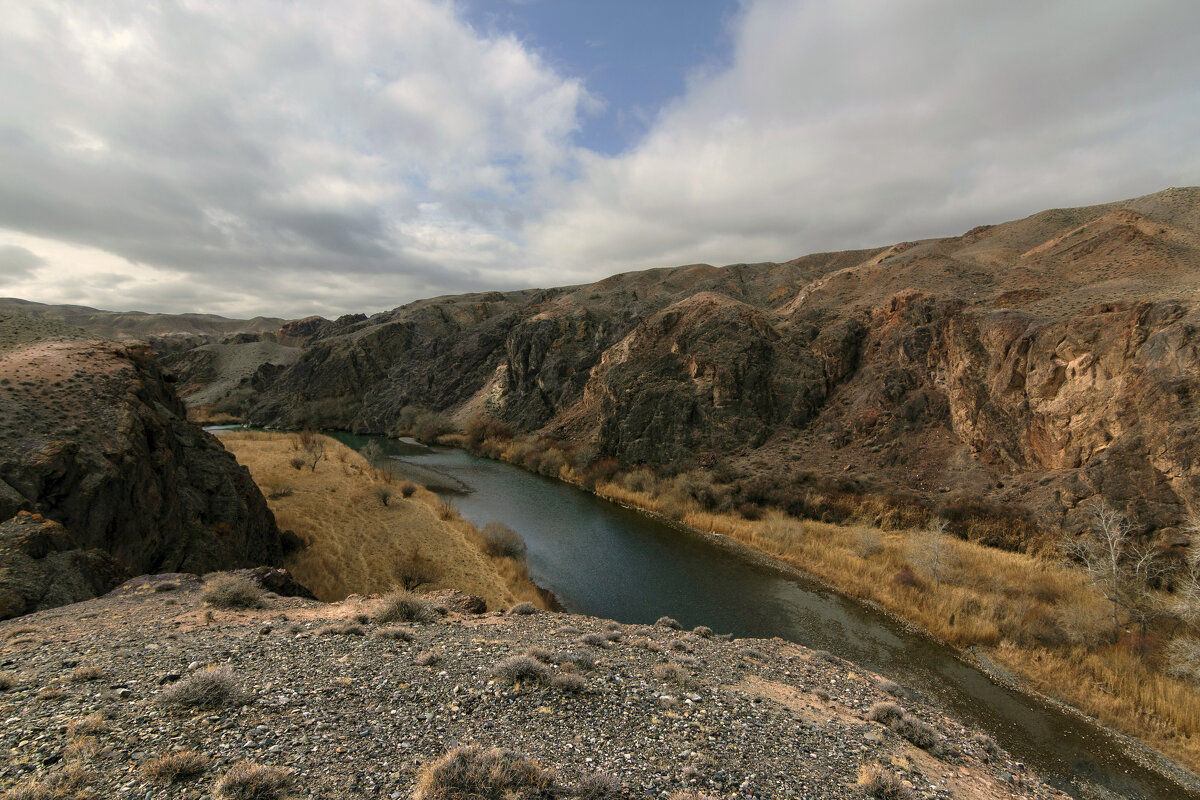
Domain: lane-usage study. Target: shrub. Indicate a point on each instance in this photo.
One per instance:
(209, 688)
(407, 489)
(446, 511)
(667, 622)
(523, 608)
(495, 774)
(296, 462)
(541, 654)
(885, 712)
(427, 658)
(906, 577)
(877, 782)
(344, 629)
(400, 634)
(7, 681)
(174, 767)
(579, 659)
(500, 540)
(383, 493)
(92, 723)
(594, 640)
(87, 672)
(232, 591)
(403, 606)
(249, 781)
(569, 682)
(914, 730)
(672, 673)
(703, 631)
(415, 570)
(598, 786)
(521, 669)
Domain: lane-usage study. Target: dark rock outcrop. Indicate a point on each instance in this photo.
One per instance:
(96, 440)
(42, 566)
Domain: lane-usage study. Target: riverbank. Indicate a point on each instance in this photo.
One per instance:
(1036, 617)
(364, 530)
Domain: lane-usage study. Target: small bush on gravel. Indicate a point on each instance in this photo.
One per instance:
(93, 723)
(166, 586)
(501, 540)
(344, 629)
(399, 633)
(541, 654)
(598, 786)
(569, 682)
(594, 640)
(175, 767)
(877, 782)
(672, 673)
(87, 672)
(209, 688)
(404, 606)
(521, 669)
(919, 733)
(246, 780)
(579, 659)
(988, 745)
(667, 622)
(523, 608)
(703, 631)
(891, 687)
(479, 774)
(826, 656)
(232, 591)
(7, 681)
(885, 713)
(427, 658)
(690, 796)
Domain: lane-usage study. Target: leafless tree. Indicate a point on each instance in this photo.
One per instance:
(312, 447)
(933, 551)
(1119, 567)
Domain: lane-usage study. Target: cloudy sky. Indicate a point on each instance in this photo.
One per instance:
(289, 157)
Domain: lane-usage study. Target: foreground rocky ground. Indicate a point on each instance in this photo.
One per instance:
(350, 707)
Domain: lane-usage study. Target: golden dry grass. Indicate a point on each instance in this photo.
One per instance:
(358, 545)
(1036, 616)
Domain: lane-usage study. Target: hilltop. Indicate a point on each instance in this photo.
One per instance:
(97, 699)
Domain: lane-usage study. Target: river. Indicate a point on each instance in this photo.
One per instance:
(607, 561)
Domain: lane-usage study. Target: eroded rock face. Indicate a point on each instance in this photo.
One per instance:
(42, 566)
(96, 440)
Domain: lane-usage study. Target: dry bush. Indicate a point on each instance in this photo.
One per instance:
(88, 672)
(922, 734)
(446, 511)
(577, 659)
(877, 782)
(7, 681)
(499, 540)
(598, 786)
(383, 493)
(408, 489)
(569, 682)
(227, 590)
(885, 712)
(342, 629)
(703, 631)
(672, 672)
(175, 767)
(668, 622)
(1183, 659)
(402, 605)
(93, 723)
(415, 570)
(427, 658)
(69, 782)
(246, 780)
(473, 772)
(521, 669)
(523, 609)
(594, 640)
(209, 688)
(398, 633)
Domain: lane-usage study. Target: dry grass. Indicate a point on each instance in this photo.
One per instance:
(249, 781)
(473, 772)
(226, 590)
(209, 688)
(1037, 616)
(358, 545)
(175, 767)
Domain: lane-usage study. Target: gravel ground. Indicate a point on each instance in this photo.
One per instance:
(351, 713)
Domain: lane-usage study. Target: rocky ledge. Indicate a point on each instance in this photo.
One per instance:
(149, 692)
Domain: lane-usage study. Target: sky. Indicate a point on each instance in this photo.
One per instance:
(296, 157)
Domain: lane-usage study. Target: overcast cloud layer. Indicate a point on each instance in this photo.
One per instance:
(288, 158)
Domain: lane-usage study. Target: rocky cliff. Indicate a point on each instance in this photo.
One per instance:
(1034, 366)
(95, 439)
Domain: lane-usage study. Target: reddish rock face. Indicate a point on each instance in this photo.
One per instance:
(95, 440)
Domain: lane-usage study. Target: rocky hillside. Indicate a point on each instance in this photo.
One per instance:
(148, 693)
(93, 437)
(1031, 366)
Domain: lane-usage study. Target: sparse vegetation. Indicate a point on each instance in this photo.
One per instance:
(667, 622)
(877, 782)
(208, 688)
(7, 681)
(227, 590)
(501, 540)
(403, 606)
(383, 493)
(521, 669)
(88, 672)
(249, 781)
(473, 772)
(523, 608)
(175, 767)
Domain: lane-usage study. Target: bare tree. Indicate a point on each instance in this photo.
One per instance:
(1120, 568)
(312, 447)
(933, 551)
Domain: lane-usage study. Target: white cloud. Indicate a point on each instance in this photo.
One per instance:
(863, 122)
(302, 157)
